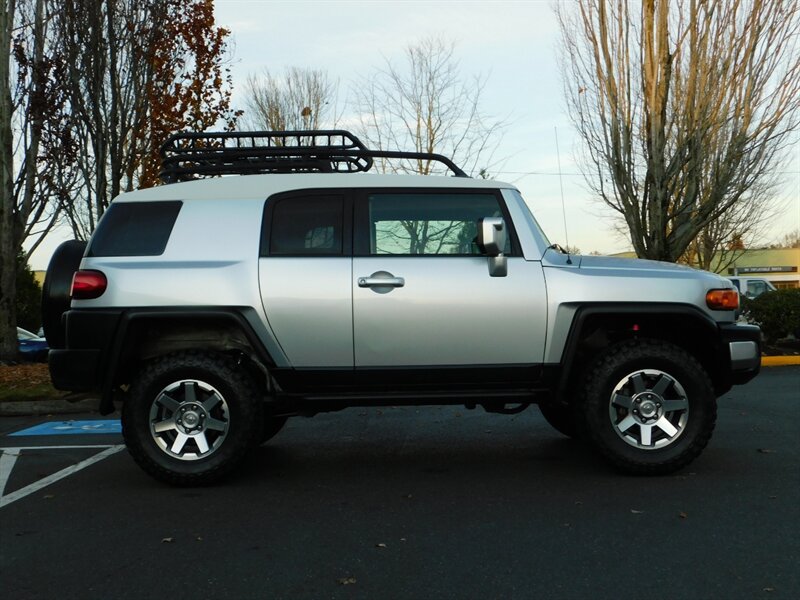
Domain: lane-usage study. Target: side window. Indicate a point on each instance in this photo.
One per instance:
(134, 229)
(429, 223)
(307, 225)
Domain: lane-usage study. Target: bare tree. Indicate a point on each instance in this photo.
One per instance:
(298, 99)
(684, 110)
(104, 41)
(35, 142)
(138, 70)
(789, 240)
(427, 105)
(720, 243)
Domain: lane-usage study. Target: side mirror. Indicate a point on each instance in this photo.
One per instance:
(492, 241)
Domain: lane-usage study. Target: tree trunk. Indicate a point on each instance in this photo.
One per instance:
(8, 286)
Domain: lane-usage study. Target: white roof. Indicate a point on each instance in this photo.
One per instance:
(242, 187)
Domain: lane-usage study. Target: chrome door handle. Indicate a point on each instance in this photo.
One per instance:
(381, 282)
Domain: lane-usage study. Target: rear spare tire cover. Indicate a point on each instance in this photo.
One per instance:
(57, 287)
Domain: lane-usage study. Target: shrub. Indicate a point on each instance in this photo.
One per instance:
(29, 297)
(777, 313)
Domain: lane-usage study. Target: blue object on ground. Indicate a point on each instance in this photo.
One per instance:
(106, 426)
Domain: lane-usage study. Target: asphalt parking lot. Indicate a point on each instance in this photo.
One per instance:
(434, 502)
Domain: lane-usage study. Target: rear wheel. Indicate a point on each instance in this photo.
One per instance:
(649, 406)
(191, 417)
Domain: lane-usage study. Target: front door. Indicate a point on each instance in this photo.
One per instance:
(422, 293)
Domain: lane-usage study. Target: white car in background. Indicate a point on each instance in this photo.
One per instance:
(752, 287)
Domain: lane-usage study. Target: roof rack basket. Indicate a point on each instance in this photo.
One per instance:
(187, 156)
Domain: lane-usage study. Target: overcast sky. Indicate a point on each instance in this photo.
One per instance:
(513, 43)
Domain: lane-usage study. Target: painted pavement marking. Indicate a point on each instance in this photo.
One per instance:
(80, 447)
(8, 456)
(105, 426)
(38, 485)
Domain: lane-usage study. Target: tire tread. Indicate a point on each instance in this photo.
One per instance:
(631, 351)
(251, 414)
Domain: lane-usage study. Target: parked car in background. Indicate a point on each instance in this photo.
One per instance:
(752, 287)
(31, 346)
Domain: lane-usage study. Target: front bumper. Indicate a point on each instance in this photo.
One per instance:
(743, 346)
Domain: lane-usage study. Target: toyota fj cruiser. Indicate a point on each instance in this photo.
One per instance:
(215, 308)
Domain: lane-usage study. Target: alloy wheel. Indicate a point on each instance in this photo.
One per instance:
(189, 419)
(649, 409)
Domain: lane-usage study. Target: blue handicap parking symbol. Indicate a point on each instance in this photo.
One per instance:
(107, 426)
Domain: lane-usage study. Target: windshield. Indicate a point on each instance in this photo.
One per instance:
(23, 334)
(756, 287)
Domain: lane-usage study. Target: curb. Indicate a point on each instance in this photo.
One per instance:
(27, 408)
(779, 361)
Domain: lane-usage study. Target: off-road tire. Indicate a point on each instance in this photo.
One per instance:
(653, 356)
(240, 395)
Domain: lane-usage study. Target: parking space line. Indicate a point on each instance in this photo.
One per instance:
(8, 456)
(38, 485)
(6, 449)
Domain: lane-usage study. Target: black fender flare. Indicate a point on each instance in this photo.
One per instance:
(245, 319)
(703, 323)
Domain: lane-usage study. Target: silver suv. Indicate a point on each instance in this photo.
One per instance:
(215, 308)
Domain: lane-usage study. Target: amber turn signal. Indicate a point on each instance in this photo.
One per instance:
(722, 299)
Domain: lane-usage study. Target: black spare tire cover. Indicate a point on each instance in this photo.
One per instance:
(57, 287)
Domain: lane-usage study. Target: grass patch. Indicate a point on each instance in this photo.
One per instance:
(39, 391)
(26, 381)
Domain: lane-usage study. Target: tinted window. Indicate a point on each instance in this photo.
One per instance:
(134, 229)
(428, 223)
(311, 225)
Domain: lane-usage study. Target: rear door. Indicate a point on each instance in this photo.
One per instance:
(305, 271)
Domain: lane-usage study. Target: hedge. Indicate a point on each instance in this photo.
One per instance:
(777, 313)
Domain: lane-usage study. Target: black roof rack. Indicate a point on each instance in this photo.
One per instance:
(187, 156)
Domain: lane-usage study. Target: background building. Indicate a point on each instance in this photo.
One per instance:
(778, 266)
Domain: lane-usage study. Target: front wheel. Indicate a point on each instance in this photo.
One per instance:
(649, 406)
(191, 417)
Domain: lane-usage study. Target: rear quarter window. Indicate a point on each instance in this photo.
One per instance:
(134, 229)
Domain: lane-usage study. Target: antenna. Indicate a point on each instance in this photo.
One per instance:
(563, 205)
